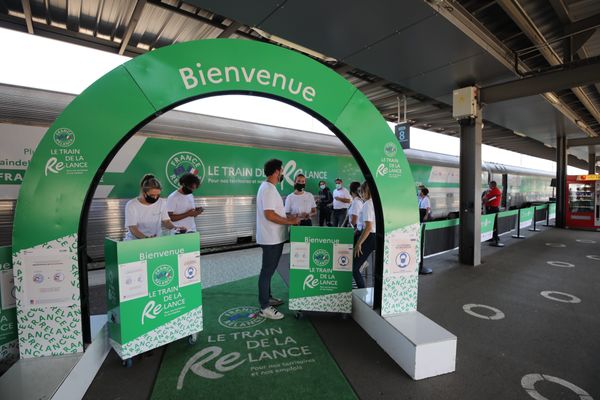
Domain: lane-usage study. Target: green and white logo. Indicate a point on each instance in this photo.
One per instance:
(321, 257)
(64, 137)
(163, 275)
(241, 317)
(182, 163)
(390, 149)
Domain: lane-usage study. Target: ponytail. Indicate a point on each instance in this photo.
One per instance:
(149, 182)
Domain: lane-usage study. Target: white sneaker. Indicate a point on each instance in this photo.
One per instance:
(270, 313)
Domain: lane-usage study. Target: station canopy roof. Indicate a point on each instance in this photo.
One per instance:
(391, 50)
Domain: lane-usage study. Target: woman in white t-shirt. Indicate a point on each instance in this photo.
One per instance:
(355, 206)
(147, 214)
(365, 237)
(300, 203)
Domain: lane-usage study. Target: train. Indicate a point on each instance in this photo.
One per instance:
(228, 156)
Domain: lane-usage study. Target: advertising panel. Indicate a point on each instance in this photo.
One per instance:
(154, 291)
(321, 269)
(9, 347)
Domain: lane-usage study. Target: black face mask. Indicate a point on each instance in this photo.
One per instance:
(299, 186)
(186, 190)
(149, 199)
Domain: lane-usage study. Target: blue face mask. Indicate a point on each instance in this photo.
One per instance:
(322, 187)
(338, 185)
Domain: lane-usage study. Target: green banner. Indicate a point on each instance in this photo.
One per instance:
(321, 269)
(226, 170)
(9, 351)
(552, 210)
(153, 290)
(526, 217)
(487, 226)
(429, 226)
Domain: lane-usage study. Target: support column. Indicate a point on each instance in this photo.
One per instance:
(592, 160)
(469, 249)
(561, 170)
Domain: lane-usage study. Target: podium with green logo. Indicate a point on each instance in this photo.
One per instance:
(153, 291)
(321, 269)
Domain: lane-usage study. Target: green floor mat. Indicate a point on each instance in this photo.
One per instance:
(240, 355)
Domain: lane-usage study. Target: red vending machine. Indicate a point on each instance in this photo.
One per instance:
(583, 201)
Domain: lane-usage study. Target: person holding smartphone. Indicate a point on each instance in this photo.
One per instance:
(147, 214)
(180, 203)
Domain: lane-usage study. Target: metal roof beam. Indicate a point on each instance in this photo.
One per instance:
(595, 141)
(230, 30)
(27, 12)
(579, 75)
(133, 21)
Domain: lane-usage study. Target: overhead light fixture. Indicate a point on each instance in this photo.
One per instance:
(519, 134)
(581, 124)
(552, 98)
(294, 46)
(547, 145)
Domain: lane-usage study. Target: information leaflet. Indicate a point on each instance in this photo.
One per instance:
(321, 269)
(154, 291)
(9, 351)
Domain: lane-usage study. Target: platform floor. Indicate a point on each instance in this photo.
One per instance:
(536, 335)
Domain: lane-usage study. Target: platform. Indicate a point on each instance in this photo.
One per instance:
(537, 338)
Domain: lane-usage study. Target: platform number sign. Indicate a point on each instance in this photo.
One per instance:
(403, 134)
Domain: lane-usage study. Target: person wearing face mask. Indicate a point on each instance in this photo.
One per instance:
(300, 203)
(180, 203)
(325, 203)
(147, 214)
(364, 243)
(341, 202)
(271, 233)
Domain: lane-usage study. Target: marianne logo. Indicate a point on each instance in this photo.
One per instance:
(403, 259)
(241, 317)
(321, 257)
(181, 163)
(390, 149)
(163, 275)
(64, 137)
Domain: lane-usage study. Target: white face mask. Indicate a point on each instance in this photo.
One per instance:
(322, 187)
(338, 185)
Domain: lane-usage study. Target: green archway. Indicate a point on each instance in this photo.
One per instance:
(73, 154)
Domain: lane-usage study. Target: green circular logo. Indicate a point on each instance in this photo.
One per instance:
(241, 317)
(182, 163)
(163, 275)
(63, 137)
(321, 257)
(390, 149)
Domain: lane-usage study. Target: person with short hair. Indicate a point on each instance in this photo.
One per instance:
(341, 202)
(491, 201)
(325, 202)
(180, 203)
(271, 233)
(365, 238)
(424, 205)
(147, 214)
(300, 203)
(355, 206)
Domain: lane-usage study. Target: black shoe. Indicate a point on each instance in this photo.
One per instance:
(425, 271)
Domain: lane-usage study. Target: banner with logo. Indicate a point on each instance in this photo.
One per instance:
(321, 268)
(153, 290)
(9, 347)
(526, 217)
(487, 226)
(225, 170)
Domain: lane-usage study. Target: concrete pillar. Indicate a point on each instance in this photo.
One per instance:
(592, 160)
(561, 170)
(470, 191)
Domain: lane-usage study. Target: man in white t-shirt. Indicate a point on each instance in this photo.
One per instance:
(341, 202)
(271, 233)
(180, 203)
(300, 203)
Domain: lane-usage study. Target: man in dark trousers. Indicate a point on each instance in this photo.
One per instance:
(325, 201)
(491, 201)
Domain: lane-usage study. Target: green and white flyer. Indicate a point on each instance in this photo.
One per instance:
(321, 269)
(487, 226)
(526, 217)
(153, 290)
(9, 347)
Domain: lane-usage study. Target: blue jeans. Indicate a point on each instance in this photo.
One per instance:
(270, 260)
(367, 248)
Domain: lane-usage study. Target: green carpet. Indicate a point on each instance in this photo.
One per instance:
(240, 355)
